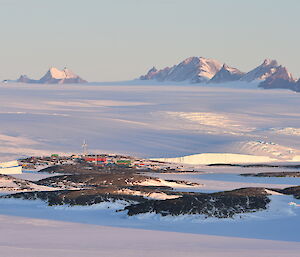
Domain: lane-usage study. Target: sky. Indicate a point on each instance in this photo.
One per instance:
(112, 40)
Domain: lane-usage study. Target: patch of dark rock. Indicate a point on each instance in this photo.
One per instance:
(295, 191)
(273, 174)
(89, 168)
(93, 180)
(256, 165)
(220, 205)
(182, 182)
(77, 197)
(152, 188)
(21, 184)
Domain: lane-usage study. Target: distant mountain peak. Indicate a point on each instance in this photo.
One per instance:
(262, 72)
(193, 69)
(281, 78)
(62, 74)
(227, 74)
(194, 60)
(225, 66)
(269, 62)
(153, 69)
(200, 69)
(25, 79)
(191, 59)
(23, 76)
(231, 69)
(54, 76)
(149, 74)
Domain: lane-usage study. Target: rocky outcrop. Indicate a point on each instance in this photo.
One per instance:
(282, 174)
(88, 184)
(93, 180)
(220, 205)
(295, 191)
(77, 197)
(11, 184)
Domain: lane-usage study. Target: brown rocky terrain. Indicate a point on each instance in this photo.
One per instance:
(273, 174)
(87, 184)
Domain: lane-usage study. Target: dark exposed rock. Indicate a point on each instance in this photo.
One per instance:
(88, 184)
(295, 191)
(220, 205)
(297, 86)
(182, 182)
(86, 169)
(281, 78)
(11, 184)
(273, 174)
(77, 197)
(93, 180)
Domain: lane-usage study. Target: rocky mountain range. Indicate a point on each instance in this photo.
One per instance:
(54, 76)
(199, 69)
(193, 70)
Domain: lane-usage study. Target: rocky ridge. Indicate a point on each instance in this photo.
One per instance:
(269, 74)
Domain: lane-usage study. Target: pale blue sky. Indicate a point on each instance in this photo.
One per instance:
(108, 40)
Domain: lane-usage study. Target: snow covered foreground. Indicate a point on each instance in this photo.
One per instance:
(24, 237)
(279, 222)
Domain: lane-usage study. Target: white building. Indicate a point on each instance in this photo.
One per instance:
(12, 167)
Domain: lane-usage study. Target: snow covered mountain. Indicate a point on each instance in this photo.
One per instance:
(281, 78)
(226, 74)
(193, 70)
(262, 72)
(199, 69)
(54, 76)
(25, 79)
(297, 86)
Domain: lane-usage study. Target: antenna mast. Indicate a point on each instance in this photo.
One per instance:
(84, 147)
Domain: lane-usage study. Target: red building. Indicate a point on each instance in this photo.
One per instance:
(95, 159)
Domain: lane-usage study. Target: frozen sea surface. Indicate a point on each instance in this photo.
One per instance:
(36, 237)
(147, 120)
(279, 222)
(233, 178)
